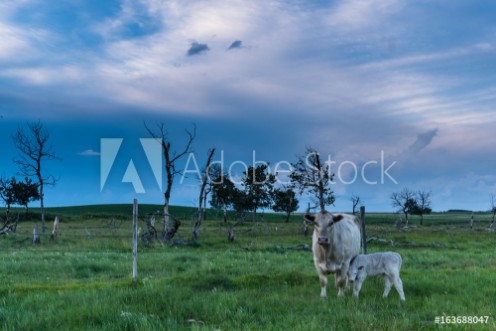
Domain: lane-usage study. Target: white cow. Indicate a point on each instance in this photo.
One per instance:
(386, 264)
(335, 241)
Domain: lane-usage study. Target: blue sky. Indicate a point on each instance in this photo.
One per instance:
(414, 80)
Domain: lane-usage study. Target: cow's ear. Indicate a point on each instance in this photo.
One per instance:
(309, 218)
(337, 218)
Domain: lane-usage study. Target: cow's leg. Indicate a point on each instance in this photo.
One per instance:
(398, 285)
(340, 281)
(323, 284)
(388, 282)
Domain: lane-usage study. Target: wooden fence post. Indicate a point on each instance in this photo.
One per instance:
(364, 234)
(135, 240)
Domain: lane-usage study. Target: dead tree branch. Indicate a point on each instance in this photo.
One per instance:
(170, 169)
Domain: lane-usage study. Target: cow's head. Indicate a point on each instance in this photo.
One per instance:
(354, 269)
(322, 222)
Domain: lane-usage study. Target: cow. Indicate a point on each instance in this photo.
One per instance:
(385, 264)
(335, 241)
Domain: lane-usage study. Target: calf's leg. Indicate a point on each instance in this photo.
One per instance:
(388, 282)
(398, 285)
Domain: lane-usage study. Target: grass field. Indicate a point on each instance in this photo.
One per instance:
(262, 281)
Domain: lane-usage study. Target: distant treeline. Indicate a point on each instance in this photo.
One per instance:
(465, 211)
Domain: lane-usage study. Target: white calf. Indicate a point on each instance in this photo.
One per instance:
(387, 265)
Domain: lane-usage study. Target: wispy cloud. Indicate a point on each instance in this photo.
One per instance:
(89, 152)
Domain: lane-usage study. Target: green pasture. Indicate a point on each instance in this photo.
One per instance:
(265, 280)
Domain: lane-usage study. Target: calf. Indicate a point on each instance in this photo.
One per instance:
(387, 265)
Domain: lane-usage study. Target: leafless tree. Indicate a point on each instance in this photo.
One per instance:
(355, 200)
(312, 175)
(423, 207)
(493, 207)
(404, 201)
(171, 157)
(34, 149)
(201, 199)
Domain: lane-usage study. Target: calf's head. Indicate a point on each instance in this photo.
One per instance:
(355, 267)
(322, 222)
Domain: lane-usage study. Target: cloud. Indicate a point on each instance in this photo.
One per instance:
(236, 44)
(89, 152)
(197, 48)
(423, 140)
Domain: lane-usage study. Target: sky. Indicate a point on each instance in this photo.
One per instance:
(394, 93)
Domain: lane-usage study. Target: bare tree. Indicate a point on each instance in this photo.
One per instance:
(493, 207)
(34, 149)
(204, 182)
(355, 200)
(423, 205)
(170, 169)
(312, 175)
(404, 201)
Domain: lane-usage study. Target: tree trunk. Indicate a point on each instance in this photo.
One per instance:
(254, 214)
(321, 183)
(199, 216)
(205, 207)
(55, 229)
(135, 240)
(224, 207)
(421, 219)
(196, 229)
(42, 198)
(321, 198)
(166, 226)
(287, 217)
(42, 206)
(36, 237)
(406, 219)
(230, 234)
